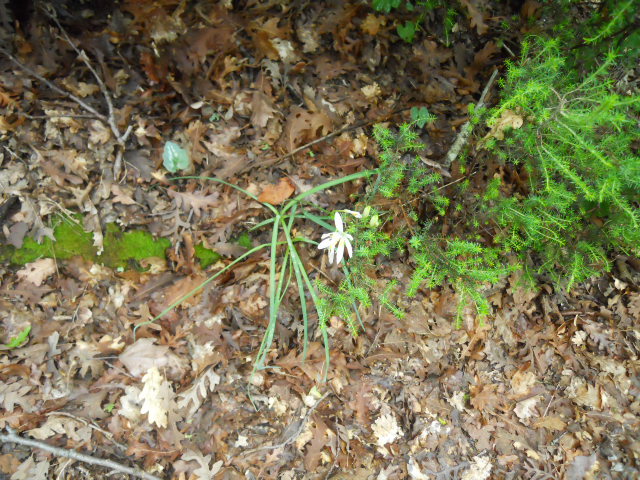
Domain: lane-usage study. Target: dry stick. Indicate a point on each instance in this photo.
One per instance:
(111, 119)
(272, 161)
(54, 87)
(12, 437)
(465, 131)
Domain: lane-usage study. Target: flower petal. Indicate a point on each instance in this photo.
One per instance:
(354, 213)
(332, 250)
(340, 251)
(349, 248)
(338, 221)
(327, 242)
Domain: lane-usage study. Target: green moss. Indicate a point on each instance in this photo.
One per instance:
(207, 257)
(127, 249)
(121, 249)
(71, 240)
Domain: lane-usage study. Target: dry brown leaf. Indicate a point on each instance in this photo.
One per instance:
(508, 119)
(276, 194)
(196, 200)
(477, 19)
(261, 109)
(37, 272)
(484, 397)
(144, 354)
(372, 24)
(5, 99)
(122, 194)
(552, 423)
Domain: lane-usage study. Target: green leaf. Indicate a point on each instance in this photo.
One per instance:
(175, 157)
(421, 116)
(407, 31)
(385, 5)
(17, 341)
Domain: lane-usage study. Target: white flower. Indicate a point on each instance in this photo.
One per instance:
(336, 241)
(352, 212)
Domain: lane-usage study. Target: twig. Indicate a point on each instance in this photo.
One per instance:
(273, 161)
(295, 434)
(54, 87)
(121, 138)
(81, 457)
(465, 131)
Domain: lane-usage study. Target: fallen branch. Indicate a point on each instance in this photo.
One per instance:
(465, 131)
(13, 437)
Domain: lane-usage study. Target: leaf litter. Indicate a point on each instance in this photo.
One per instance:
(547, 389)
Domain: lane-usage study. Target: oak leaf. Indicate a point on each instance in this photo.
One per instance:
(196, 200)
(276, 194)
(156, 397)
(38, 271)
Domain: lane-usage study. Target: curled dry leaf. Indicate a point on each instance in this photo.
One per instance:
(276, 194)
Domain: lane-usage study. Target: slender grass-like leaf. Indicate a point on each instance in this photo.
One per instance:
(297, 199)
(195, 290)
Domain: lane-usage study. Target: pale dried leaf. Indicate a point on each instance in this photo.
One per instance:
(12, 394)
(73, 429)
(203, 472)
(480, 469)
(386, 429)
(197, 200)
(37, 272)
(508, 119)
(196, 394)
(99, 133)
(144, 354)
(526, 408)
(156, 397)
(522, 382)
(32, 470)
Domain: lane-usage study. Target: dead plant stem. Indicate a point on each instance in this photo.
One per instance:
(465, 131)
(13, 437)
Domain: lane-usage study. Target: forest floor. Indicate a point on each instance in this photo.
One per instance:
(545, 388)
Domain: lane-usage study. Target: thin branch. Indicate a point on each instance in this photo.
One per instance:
(54, 87)
(12, 437)
(121, 138)
(465, 131)
(103, 88)
(273, 161)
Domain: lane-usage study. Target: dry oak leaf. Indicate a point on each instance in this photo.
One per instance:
(156, 397)
(204, 471)
(508, 119)
(144, 354)
(32, 470)
(196, 200)
(276, 194)
(552, 423)
(477, 19)
(38, 271)
(484, 396)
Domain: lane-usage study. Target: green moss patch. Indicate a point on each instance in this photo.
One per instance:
(121, 249)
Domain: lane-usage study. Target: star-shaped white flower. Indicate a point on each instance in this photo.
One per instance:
(337, 241)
